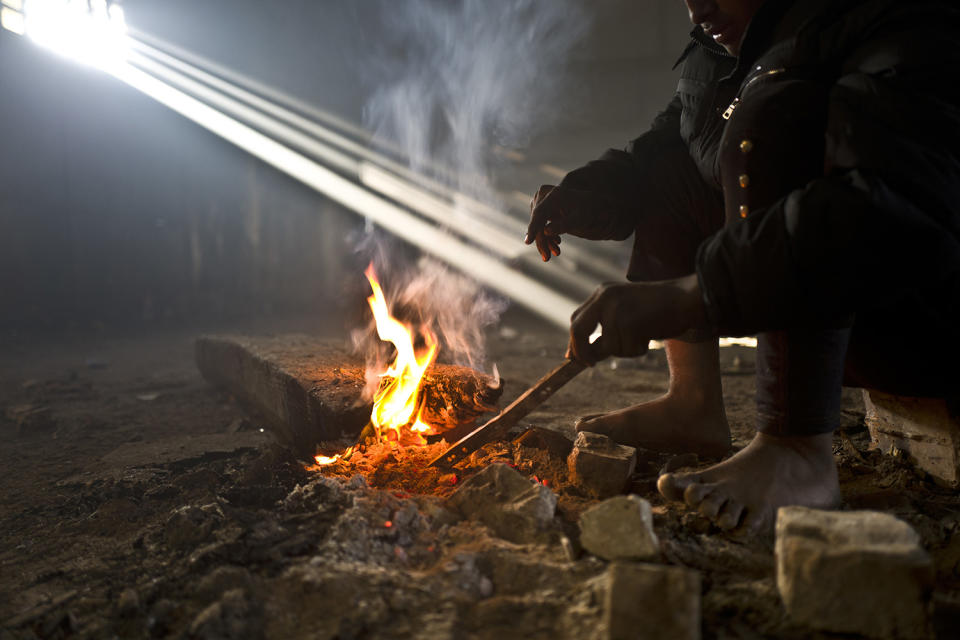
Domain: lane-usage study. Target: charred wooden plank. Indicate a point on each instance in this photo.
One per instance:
(311, 390)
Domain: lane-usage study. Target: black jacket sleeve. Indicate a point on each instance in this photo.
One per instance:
(628, 178)
(882, 225)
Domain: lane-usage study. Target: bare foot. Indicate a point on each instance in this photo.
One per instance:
(690, 418)
(669, 424)
(771, 472)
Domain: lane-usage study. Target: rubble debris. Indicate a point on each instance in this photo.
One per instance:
(651, 601)
(128, 604)
(620, 528)
(188, 526)
(548, 440)
(599, 465)
(223, 579)
(514, 508)
(31, 419)
(852, 572)
(230, 618)
(311, 390)
(923, 428)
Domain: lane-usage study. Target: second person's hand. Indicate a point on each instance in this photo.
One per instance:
(633, 313)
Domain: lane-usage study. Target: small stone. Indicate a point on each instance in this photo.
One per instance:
(852, 572)
(620, 528)
(651, 601)
(599, 465)
(128, 603)
(221, 580)
(511, 506)
(224, 620)
(188, 526)
(31, 419)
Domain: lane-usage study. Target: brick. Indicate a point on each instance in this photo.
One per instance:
(651, 601)
(311, 390)
(620, 528)
(923, 428)
(852, 572)
(600, 466)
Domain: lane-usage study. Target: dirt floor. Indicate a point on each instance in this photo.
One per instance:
(138, 501)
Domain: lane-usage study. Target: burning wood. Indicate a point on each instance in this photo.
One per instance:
(313, 391)
(409, 403)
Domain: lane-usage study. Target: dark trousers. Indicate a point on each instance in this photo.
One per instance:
(906, 349)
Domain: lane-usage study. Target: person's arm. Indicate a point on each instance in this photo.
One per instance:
(883, 223)
(602, 199)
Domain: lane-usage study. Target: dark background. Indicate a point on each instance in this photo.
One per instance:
(116, 212)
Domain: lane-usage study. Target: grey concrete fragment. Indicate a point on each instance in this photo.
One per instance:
(852, 572)
(620, 528)
(599, 465)
(307, 389)
(924, 428)
(514, 508)
(310, 390)
(651, 601)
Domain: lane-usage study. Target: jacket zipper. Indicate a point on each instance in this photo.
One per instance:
(736, 101)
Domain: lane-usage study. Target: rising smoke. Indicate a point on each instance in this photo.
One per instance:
(427, 296)
(456, 78)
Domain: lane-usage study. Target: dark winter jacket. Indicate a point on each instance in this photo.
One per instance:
(839, 162)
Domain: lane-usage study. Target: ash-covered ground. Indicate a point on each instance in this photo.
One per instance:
(138, 501)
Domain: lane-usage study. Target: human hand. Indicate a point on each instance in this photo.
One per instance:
(632, 314)
(556, 210)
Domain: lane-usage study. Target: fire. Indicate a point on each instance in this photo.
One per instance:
(395, 402)
(396, 416)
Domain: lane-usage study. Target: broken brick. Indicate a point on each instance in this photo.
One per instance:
(600, 466)
(852, 572)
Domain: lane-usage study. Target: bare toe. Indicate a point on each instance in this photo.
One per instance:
(581, 423)
(729, 516)
(696, 492)
(672, 485)
(710, 506)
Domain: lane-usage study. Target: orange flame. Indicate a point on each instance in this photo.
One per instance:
(395, 412)
(395, 402)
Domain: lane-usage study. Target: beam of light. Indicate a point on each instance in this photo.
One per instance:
(12, 21)
(95, 35)
(437, 242)
(89, 34)
(246, 90)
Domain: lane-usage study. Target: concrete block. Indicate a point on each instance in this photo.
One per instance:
(651, 601)
(923, 428)
(514, 508)
(310, 390)
(852, 572)
(620, 528)
(599, 465)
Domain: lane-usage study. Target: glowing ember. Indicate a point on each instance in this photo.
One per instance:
(396, 416)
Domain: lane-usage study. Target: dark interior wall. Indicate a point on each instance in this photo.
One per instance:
(115, 210)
